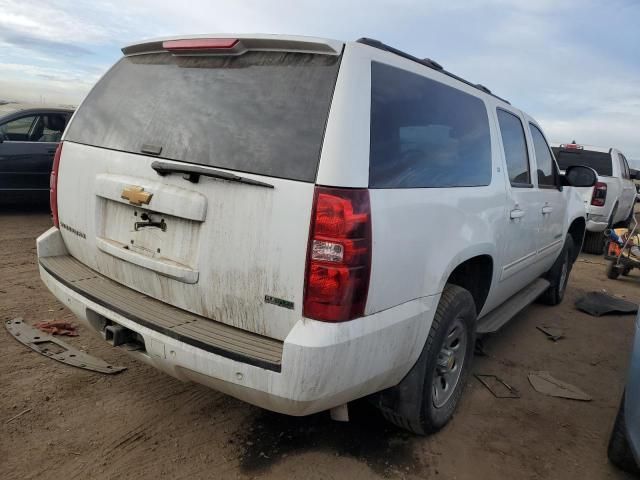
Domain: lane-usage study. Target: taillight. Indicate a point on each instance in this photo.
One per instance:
(53, 186)
(599, 194)
(339, 255)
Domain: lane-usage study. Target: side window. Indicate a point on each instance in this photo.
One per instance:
(425, 133)
(544, 160)
(515, 148)
(18, 130)
(624, 168)
(628, 168)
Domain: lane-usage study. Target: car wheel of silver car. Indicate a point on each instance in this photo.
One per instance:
(426, 398)
(558, 276)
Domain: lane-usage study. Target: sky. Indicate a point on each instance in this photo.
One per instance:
(574, 65)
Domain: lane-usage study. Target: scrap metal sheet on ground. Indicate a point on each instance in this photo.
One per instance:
(51, 347)
(598, 303)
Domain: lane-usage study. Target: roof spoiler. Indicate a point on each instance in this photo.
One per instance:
(237, 45)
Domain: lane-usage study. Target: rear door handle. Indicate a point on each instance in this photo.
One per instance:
(516, 213)
(547, 210)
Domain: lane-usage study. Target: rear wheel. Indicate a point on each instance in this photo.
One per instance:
(619, 451)
(593, 243)
(427, 397)
(558, 276)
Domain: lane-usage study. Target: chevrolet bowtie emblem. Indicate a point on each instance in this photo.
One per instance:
(136, 195)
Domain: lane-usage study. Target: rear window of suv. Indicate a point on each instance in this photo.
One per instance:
(425, 134)
(599, 161)
(260, 112)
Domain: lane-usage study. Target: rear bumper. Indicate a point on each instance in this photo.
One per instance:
(322, 365)
(597, 224)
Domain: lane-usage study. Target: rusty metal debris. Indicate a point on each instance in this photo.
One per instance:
(57, 327)
(51, 347)
(498, 387)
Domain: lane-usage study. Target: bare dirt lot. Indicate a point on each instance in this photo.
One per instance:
(144, 424)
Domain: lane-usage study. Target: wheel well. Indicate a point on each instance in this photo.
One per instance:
(577, 231)
(475, 276)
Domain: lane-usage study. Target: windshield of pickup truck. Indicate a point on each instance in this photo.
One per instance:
(599, 161)
(260, 112)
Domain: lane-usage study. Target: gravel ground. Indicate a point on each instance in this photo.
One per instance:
(144, 424)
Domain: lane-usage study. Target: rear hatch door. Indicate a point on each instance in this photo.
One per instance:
(190, 178)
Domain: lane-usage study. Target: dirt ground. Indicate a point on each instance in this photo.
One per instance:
(144, 424)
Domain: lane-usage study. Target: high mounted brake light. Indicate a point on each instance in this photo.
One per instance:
(571, 146)
(53, 186)
(199, 44)
(339, 255)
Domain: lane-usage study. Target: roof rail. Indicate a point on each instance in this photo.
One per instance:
(427, 62)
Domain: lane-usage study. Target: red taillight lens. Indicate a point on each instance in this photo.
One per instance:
(339, 255)
(199, 44)
(53, 186)
(599, 194)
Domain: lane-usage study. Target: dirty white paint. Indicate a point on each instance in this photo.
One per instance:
(217, 261)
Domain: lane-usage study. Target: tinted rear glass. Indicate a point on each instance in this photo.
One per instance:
(425, 133)
(261, 112)
(599, 161)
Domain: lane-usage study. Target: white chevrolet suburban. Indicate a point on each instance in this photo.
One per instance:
(612, 200)
(300, 222)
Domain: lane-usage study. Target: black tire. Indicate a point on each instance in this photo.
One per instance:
(558, 276)
(411, 404)
(613, 271)
(593, 243)
(619, 451)
(626, 271)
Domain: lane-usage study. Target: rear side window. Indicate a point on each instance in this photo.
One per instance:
(544, 160)
(599, 161)
(624, 168)
(260, 112)
(425, 133)
(515, 149)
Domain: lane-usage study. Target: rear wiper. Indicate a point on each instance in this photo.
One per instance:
(193, 172)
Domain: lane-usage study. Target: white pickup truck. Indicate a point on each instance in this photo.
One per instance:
(301, 222)
(612, 200)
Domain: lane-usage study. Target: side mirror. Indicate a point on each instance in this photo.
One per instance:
(580, 176)
(634, 174)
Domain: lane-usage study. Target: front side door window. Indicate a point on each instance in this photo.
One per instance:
(544, 161)
(45, 127)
